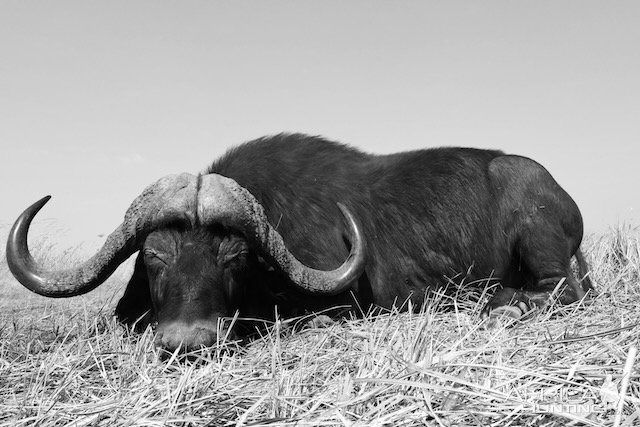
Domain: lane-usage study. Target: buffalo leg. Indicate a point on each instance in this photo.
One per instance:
(545, 258)
(542, 226)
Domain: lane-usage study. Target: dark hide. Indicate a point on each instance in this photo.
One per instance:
(425, 215)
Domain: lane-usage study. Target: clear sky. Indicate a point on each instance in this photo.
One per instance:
(99, 99)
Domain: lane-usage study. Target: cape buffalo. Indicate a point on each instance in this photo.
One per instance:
(305, 224)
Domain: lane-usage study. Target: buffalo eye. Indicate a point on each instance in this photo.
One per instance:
(155, 258)
(238, 255)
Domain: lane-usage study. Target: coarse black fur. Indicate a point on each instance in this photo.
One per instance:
(425, 215)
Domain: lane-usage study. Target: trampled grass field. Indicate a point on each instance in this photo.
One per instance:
(68, 362)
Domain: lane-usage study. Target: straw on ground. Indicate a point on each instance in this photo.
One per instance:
(69, 363)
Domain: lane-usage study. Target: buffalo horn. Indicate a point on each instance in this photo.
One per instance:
(169, 200)
(222, 200)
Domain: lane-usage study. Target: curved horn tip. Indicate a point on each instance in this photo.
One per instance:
(345, 211)
(17, 250)
(27, 216)
(40, 203)
(339, 280)
(353, 223)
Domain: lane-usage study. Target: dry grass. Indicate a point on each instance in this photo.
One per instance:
(69, 363)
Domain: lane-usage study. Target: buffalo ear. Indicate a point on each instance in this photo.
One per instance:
(134, 308)
(264, 264)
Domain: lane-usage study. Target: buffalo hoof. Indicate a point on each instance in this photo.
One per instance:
(505, 315)
(505, 308)
(319, 321)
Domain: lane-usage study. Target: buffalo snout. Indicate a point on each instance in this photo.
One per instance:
(186, 337)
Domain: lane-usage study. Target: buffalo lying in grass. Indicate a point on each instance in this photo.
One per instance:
(304, 223)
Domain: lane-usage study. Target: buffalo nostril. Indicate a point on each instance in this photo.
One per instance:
(199, 338)
(167, 341)
(158, 341)
(204, 337)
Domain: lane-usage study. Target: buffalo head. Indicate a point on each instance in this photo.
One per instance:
(203, 241)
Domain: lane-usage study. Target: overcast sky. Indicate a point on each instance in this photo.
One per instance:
(99, 99)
